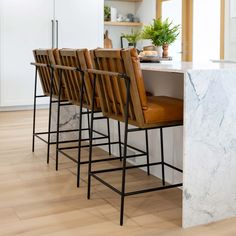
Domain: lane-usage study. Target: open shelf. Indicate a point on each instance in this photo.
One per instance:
(132, 24)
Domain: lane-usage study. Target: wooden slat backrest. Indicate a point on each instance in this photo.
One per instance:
(72, 79)
(45, 56)
(86, 63)
(112, 90)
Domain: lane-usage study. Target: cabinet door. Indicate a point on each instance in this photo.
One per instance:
(80, 23)
(25, 25)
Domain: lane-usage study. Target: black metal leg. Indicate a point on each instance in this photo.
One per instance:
(58, 120)
(119, 137)
(34, 112)
(125, 153)
(91, 141)
(147, 150)
(50, 113)
(80, 129)
(162, 157)
(88, 120)
(109, 136)
(123, 178)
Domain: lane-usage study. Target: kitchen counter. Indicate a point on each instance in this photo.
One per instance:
(209, 137)
(183, 67)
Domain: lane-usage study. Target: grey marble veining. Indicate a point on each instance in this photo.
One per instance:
(209, 192)
(69, 120)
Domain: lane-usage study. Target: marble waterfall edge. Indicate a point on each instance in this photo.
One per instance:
(209, 191)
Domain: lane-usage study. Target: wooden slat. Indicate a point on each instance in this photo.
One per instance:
(85, 63)
(42, 57)
(123, 89)
(120, 68)
(99, 86)
(108, 53)
(102, 84)
(73, 59)
(51, 60)
(134, 88)
(63, 60)
(108, 82)
(114, 89)
(115, 81)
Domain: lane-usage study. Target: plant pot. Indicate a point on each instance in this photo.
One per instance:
(159, 50)
(131, 45)
(165, 53)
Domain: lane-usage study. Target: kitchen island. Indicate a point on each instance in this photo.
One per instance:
(209, 137)
(205, 147)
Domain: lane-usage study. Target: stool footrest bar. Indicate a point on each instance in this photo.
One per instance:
(173, 167)
(135, 192)
(106, 184)
(87, 145)
(121, 168)
(153, 189)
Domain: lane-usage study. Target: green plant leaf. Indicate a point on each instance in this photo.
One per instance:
(133, 37)
(161, 32)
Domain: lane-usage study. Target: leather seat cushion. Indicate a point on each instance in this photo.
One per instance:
(163, 109)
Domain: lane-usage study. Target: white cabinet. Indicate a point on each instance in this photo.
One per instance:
(80, 23)
(27, 24)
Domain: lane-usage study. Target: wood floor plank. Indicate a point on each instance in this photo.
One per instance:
(36, 200)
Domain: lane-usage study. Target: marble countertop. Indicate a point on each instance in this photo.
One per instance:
(182, 67)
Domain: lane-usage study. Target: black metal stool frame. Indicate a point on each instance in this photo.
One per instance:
(92, 173)
(80, 140)
(51, 101)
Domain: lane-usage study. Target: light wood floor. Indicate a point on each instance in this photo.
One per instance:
(37, 200)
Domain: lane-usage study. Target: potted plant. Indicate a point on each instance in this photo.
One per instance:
(132, 38)
(161, 33)
(107, 13)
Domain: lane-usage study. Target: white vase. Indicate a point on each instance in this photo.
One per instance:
(113, 14)
(159, 50)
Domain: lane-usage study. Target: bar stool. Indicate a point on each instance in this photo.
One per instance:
(49, 81)
(121, 91)
(71, 64)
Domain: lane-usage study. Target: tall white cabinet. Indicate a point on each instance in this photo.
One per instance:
(80, 23)
(27, 24)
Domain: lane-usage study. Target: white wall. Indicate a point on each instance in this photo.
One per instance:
(146, 11)
(230, 32)
(206, 30)
(175, 16)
